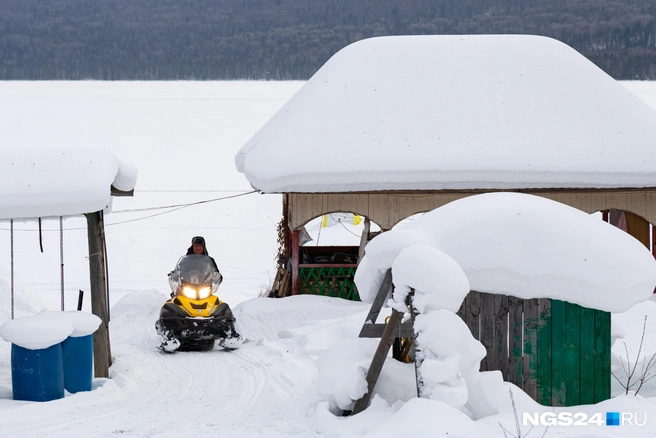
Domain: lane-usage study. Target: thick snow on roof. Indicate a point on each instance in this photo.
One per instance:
(59, 182)
(455, 112)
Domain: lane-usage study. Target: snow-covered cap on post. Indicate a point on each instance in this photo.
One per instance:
(48, 328)
(60, 182)
(455, 112)
(35, 332)
(83, 323)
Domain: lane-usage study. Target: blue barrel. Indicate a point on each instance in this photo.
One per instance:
(37, 375)
(78, 363)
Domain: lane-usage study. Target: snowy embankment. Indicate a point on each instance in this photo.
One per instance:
(271, 387)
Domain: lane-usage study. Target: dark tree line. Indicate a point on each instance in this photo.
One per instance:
(290, 39)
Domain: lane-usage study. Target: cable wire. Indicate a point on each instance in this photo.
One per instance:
(173, 208)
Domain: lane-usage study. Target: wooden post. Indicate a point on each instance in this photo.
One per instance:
(379, 360)
(295, 250)
(101, 349)
(364, 238)
(653, 243)
(653, 240)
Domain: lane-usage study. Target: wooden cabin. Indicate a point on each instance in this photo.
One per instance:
(394, 126)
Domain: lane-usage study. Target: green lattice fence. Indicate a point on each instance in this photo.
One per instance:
(328, 281)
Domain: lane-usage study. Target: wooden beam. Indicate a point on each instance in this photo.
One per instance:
(116, 192)
(377, 330)
(638, 228)
(384, 292)
(101, 348)
(379, 360)
(296, 242)
(364, 238)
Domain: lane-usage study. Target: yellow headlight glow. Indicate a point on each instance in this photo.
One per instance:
(204, 292)
(189, 292)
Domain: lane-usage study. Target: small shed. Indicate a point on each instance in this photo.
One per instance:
(394, 126)
(57, 183)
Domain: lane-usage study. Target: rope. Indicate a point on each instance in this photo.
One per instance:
(344, 226)
(184, 205)
(61, 257)
(11, 226)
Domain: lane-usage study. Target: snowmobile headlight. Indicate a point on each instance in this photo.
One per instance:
(189, 292)
(204, 292)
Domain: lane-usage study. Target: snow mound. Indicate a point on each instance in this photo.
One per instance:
(268, 318)
(530, 247)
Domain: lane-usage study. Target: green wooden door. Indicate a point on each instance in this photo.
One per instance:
(572, 365)
(557, 352)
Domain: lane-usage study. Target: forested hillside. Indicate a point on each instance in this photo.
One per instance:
(291, 39)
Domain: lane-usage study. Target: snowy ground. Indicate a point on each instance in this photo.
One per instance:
(182, 137)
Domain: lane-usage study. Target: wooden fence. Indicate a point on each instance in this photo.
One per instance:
(557, 352)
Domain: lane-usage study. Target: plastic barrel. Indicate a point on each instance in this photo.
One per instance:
(37, 375)
(78, 363)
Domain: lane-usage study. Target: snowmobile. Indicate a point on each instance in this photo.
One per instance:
(194, 318)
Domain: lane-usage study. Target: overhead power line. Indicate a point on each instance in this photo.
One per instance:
(173, 207)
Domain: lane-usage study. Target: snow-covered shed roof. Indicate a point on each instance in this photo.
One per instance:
(60, 182)
(455, 112)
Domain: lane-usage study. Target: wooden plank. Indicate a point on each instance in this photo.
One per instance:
(558, 357)
(383, 294)
(501, 334)
(638, 228)
(462, 311)
(474, 316)
(379, 360)
(572, 354)
(113, 191)
(304, 206)
(377, 330)
(101, 348)
(544, 359)
(602, 356)
(295, 260)
(284, 283)
(364, 238)
(515, 328)
(327, 265)
(653, 244)
(530, 354)
(587, 389)
(487, 332)
(653, 241)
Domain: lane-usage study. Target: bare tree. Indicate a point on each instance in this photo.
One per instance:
(518, 430)
(631, 379)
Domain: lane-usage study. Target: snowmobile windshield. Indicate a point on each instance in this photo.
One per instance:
(195, 272)
(195, 269)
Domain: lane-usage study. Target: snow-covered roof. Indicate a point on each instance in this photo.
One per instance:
(455, 112)
(60, 182)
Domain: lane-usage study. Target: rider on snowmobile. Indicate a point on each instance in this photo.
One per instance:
(168, 323)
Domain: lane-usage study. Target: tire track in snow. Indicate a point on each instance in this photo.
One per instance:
(212, 385)
(136, 401)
